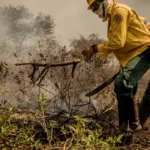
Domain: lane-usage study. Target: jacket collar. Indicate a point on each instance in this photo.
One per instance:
(111, 7)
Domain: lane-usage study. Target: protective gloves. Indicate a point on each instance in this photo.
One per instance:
(89, 52)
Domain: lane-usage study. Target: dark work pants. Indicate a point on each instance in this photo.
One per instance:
(127, 81)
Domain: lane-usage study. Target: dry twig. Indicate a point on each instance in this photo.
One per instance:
(45, 70)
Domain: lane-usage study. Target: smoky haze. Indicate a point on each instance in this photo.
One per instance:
(72, 17)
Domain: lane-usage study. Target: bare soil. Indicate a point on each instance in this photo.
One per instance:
(140, 140)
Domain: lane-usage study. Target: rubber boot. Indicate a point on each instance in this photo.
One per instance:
(144, 112)
(124, 103)
(144, 109)
(120, 113)
(135, 124)
(131, 121)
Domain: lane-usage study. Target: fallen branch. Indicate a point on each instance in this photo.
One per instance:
(50, 65)
(45, 70)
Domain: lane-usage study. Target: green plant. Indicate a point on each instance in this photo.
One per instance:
(14, 134)
(42, 109)
(87, 133)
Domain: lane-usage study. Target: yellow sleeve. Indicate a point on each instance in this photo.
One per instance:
(117, 32)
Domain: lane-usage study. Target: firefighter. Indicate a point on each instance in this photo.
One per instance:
(129, 40)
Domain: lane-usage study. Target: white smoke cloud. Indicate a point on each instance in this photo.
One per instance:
(72, 17)
(3, 30)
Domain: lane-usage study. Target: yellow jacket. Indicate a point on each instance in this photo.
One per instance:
(128, 36)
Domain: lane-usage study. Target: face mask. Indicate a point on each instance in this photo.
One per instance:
(103, 9)
(99, 12)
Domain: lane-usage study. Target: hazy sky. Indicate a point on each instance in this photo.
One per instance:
(72, 17)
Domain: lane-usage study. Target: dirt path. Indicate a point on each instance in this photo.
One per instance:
(141, 140)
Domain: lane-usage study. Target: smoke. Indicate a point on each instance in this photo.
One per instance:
(3, 30)
(72, 17)
(3, 36)
(140, 6)
(8, 30)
